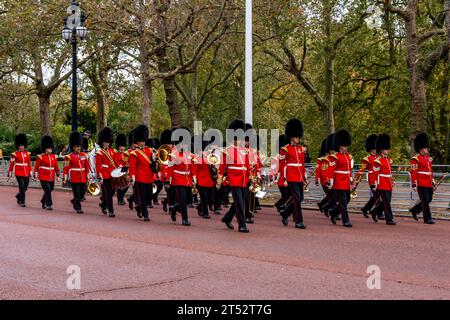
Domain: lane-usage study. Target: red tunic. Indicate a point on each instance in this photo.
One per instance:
(77, 167)
(367, 164)
(47, 167)
(140, 165)
(122, 158)
(324, 171)
(181, 168)
(340, 171)
(104, 163)
(383, 173)
(236, 165)
(20, 163)
(292, 161)
(422, 171)
(203, 172)
(318, 174)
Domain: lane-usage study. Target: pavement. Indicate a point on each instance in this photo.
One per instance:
(125, 258)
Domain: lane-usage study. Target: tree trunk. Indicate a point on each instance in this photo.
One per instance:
(44, 114)
(101, 116)
(172, 101)
(147, 93)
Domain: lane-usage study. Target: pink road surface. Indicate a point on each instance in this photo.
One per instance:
(125, 258)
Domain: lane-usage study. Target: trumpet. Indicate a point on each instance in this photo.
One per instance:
(93, 188)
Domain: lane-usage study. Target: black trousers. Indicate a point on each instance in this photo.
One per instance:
(284, 191)
(324, 204)
(159, 187)
(143, 193)
(121, 194)
(426, 196)
(238, 207)
(23, 183)
(372, 200)
(107, 195)
(342, 198)
(224, 195)
(206, 200)
(296, 192)
(250, 204)
(77, 191)
(180, 195)
(384, 204)
(47, 187)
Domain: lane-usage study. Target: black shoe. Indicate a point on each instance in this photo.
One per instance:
(374, 216)
(103, 208)
(147, 219)
(381, 217)
(121, 203)
(49, 208)
(430, 222)
(226, 205)
(43, 205)
(414, 215)
(80, 211)
(130, 204)
(228, 224)
(111, 215)
(173, 214)
(156, 202)
(17, 197)
(326, 213)
(186, 223)
(217, 212)
(206, 216)
(347, 225)
(285, 220)
(259, 208)
(250, 221)
(244, 230)
(320, 208)
(191, 205)
(333, 219)
(164, 207)
(83, 199)
(139, 214)
(365, 213)
(23, 205)
(150, 206)
(391, 223)
(338, 218)
(300, 226)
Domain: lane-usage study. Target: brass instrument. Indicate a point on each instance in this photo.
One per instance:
(93, 188)
(440, 181)
(306, 187)
(194, 190)
(163, 153)
(154, 188)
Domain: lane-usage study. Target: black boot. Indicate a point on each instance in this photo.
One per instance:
(228, 224)
(244, 230)
(365, 213)
(300, 225)
(414, 215)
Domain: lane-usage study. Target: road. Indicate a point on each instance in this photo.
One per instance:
(125, 258)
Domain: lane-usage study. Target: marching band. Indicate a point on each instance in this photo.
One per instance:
(150, 165)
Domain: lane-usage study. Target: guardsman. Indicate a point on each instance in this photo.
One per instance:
(20, 164)
(331, 198)
(105, 164)
(340, 174)
(321, 177)
(154, 144)
(142, 159)
(132, 199)
(181, 177)
(46, 169)
(382, 169)
(76, 170)
(205, 182)
(122, 159)
(236, 165)
(367, 164)
(422, 179)
(275, 166)
(292, 162)
(251, 202)
(166, 139)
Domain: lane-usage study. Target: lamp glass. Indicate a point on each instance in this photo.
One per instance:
(67, 34)
(82, 32)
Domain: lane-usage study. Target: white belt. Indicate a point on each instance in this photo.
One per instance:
(47, 168)
(423, 172)
(77, 169)
(370, 171)
(342, 172)
(238, 168)
(105, 166)
(295, 165)
(385, 175)
(186, 173)
(22, 164)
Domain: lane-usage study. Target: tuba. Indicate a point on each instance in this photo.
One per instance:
(93, 187)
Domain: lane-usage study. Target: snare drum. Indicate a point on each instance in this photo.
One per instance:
(119, 178)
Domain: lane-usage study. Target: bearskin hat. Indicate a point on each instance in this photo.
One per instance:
(323, 148)
(294, 128)
(329, 143)
(131, 138)
(105, 135)
(47, 143)
(121, 140)
(237, 124)
(166, 137)
(141, 133)
(383, 142)
(370, 142)
(21, 140)
(421, 141)
(85, 144)
(75, 139)
(154, 143)
(342, 138)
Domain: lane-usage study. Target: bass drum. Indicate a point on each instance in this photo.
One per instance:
(120, 179)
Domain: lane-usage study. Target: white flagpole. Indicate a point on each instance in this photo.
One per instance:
(248, 62)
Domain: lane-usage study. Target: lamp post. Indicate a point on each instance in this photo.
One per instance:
(248, 62)
(73, 29)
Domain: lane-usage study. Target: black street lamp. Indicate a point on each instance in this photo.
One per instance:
(73, 29)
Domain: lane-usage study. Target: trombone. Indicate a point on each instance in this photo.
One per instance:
(306, 187)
